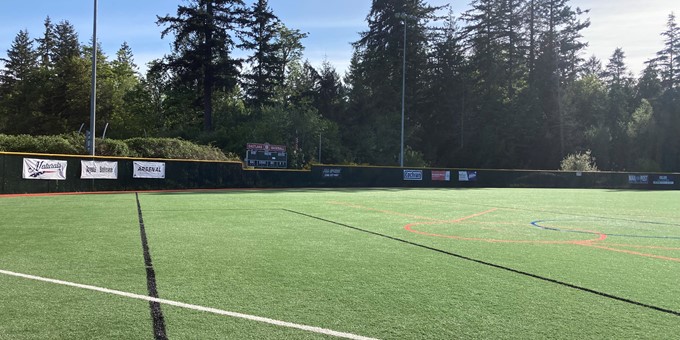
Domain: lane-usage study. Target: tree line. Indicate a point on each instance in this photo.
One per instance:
(504, 85)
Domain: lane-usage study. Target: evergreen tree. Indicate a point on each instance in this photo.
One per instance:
(69, 92)
(649, 85)
(122, 86)
(592, 67)
(46, 44)
(21, 60)
(261, 36)
(494, 55)
(443, 133)
(621, 93)
(18, 87)
(668, 59)
(559, 43)
(615, 72)
(66, 44)
(380, 52)
(330, 101)
(201, 59)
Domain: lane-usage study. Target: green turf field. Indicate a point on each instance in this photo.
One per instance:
(381, 263)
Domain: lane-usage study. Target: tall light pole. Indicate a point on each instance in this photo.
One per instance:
(93, 99)
(404, 17)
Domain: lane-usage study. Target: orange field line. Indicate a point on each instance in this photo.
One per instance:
(388, 212)
(588, 243)
(633, 252)
(641, 246)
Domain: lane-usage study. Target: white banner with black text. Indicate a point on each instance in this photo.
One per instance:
(148, 169)
(44, 169)
(98, 170)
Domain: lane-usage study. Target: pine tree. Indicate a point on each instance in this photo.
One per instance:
(443, 133)
(67, 95)
(66, 44)
(21, 59)
(668, 59)
(649, 84)
(124, 92)
(330, 100)
(46, 44)
(202, 51)
(620, 107)
(18, 85)
(592, 67)
(556, 68)
(262, 38)
(615, 72)
(380, 56)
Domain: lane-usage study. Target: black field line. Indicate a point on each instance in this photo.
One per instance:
(497, 266)
(155, 307)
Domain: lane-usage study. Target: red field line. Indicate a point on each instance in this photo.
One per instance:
(47, 194)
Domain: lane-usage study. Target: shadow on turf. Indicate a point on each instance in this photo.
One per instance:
(301, 190)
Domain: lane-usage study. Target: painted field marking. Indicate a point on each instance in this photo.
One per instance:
(307, 328)
(599, 236)
(388, 212)
(667, 258)
(493, 265)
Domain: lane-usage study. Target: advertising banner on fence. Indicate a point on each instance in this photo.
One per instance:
(98, 170)
(148, 169)
(663, 180)
(413, 175)
(331, 173)
(44, 169)
(467, 176)
(638, 179)
(441, 175)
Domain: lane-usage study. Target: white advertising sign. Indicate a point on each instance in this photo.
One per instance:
(98, 170)
(148, 169)
(44, 169)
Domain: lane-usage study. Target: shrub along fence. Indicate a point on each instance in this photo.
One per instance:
(44, 173)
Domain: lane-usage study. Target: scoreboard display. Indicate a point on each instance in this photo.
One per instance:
(266, 155)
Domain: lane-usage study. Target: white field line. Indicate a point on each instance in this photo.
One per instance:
(194, 307)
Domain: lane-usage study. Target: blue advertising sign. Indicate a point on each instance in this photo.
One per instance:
(638, 179)
(331, 173)
(467, 176)
(663, 180)
(413, 175)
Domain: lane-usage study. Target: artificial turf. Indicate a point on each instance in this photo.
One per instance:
(472, 264)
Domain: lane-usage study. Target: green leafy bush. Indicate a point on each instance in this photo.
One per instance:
(579, 162)
(113, 147)
(74, 144)
(38, 144)
(173, 148)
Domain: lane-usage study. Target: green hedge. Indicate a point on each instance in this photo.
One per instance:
(74, 144)
(40, 144)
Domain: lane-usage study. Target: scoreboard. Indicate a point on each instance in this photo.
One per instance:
(266, 155)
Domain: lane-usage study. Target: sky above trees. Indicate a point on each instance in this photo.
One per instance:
(332, 25)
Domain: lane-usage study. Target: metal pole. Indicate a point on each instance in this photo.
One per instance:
(403, 98)
(319, 148)
(93, 99)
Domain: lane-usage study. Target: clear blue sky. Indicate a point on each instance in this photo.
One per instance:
(332, 25)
